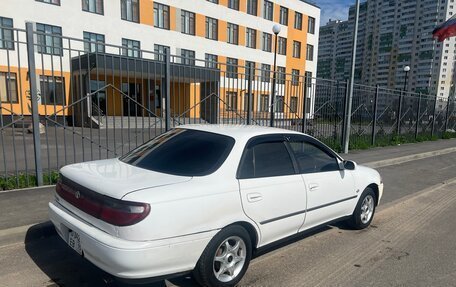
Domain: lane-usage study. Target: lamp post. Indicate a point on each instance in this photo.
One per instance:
(399, 109)
(276, 30)
(406, 70)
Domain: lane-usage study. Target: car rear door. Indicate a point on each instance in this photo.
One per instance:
(330, 191)
(273, 193)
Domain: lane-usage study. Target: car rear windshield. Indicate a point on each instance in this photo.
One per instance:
(182, 152)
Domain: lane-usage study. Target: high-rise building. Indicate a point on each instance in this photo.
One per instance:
(392, 35)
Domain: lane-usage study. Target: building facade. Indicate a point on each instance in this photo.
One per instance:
(392, 35)
(226, 33)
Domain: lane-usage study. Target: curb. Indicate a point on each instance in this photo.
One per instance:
(408, 158)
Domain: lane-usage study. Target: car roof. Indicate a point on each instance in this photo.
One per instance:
(239, 131)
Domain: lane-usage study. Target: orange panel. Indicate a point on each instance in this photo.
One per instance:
(146, 12)
(223, 3)
(222, 31)
(172, 18)
(243, 6)
(276, 15)
(200, 25)
(241, 36)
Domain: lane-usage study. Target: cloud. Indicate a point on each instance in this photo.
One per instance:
(334, 9)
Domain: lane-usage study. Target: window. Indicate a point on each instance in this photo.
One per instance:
(264, 103)
(279, 104)
(187, 22)
(233, 4)
(94, 6)
(268, 10)
(308, 79)
(211, 61)
(296, 49)
(248, 65)
(231, 101)
(298, 21)
(8, 87)
(311, 26)
(92, 45)
(282, 46)
(188, 57)
(295, 77)
(283, 16)
(211, 28)
(281, 75)
(213, 1)
(55, 2)
(131, 48)
(233, 33)
(6, 35)
(266, 159)
(51, 43)
(252, 7)
(160, 52)
(52, 90)
(293, 104)
(265, 73)
(182, 152)
(129, 10)
(267, 42)
(231, 68)
(312, 159)
(246, 102)
(310, 53)
(250, 39)
(161, 16)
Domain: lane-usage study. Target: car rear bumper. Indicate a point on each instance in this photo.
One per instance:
(131, 259)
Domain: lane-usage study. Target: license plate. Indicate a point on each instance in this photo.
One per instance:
(74, 240)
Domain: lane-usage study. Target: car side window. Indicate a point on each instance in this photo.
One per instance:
(266, 159)
(311, 158)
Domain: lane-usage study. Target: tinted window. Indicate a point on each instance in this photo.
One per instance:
(266, 159)
(311, 158)
(182, 152)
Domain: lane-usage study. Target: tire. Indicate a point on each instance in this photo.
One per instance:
(364, 211)
(225, 259)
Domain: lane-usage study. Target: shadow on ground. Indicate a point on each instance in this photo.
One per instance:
(66, 268)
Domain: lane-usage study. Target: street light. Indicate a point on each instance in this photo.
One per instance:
(406, 70)
(276, 30)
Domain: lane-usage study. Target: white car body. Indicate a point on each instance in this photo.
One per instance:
(187, 212)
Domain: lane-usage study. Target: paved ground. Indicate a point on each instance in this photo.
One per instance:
(411, 241)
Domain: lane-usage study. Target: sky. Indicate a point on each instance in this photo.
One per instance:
(333, 9)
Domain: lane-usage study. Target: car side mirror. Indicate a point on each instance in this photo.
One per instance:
(349, 165)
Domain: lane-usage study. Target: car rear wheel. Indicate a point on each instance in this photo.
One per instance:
(226, 258)
(364, 211)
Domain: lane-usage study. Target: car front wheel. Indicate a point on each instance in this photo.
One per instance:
(364, 211)
(226, 258)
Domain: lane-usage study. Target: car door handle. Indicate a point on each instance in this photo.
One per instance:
(254, 197)
(313, 186)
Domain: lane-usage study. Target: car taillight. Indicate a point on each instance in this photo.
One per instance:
(110, 210)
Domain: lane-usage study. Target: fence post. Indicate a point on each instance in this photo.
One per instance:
(418, 116)
(344, 123)
(336, 111)
(34, 102)
(374, 124)
(399, 112)
(433, 116)
(167, 89)
(249, 94)
(304, 120)
(447, 116)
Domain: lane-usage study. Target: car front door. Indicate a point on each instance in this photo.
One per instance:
(330, 190)
(272, 191)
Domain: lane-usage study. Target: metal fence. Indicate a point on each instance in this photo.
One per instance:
(66, 100)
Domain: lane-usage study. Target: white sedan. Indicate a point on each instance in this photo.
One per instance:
(204, 198)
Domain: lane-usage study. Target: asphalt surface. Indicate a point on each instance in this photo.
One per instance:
(410, 243)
